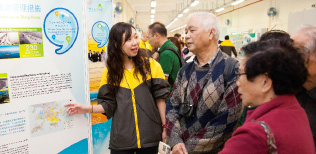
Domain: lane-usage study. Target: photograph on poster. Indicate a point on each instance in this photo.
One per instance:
(9, 38)
(4, 89)
(30, 37)
(11, 51)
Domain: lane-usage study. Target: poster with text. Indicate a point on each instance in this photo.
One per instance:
(99, 21)
(43, 67)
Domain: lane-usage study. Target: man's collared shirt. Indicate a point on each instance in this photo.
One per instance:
(209, 63)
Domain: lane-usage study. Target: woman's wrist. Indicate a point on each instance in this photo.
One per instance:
(163, 126)
(88, 109)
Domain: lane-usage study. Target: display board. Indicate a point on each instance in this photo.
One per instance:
(43, 67)
(99, 21)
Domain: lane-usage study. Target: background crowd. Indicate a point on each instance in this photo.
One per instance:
(196, 98)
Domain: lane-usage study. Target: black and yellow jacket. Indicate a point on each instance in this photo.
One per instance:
(228, 47)
(136, 121)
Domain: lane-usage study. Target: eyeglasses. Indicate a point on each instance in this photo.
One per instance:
(239, 74)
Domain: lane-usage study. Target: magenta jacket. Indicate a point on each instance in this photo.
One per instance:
(288, 122)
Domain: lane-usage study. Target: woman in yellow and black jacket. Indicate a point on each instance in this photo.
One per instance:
(133, 89)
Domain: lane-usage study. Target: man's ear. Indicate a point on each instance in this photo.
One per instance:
(157, 35)
(211, 33)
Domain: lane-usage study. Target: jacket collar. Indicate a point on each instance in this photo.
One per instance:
(278, 102)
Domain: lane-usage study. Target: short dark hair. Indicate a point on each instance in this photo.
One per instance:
(177, 35)
(226, 37)
(274, 34)
(158, 27)
(280, 60)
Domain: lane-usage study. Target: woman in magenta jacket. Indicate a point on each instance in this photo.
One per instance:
(274, 122)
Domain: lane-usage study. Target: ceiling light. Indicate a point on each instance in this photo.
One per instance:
(152, 16)
(153, 4)
(186, 10)
(196, 2)
(180, 15)
(152, 11)
(175, 19)
(237, 2)
(219, 10)
(178, 28)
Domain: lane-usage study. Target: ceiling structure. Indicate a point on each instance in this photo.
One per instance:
(168, 10)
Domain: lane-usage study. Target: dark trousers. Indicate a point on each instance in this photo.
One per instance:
(150, 150)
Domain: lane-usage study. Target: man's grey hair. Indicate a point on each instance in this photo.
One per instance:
(310, 31)
(208, 20)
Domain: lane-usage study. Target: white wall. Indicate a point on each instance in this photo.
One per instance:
(254, 17)
(127, 13)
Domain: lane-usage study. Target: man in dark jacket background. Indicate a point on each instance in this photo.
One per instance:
(228, 47)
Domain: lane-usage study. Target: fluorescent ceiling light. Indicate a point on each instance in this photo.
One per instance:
(237, 2)
(219, 10)
(186, 10)
(178, 28)
(175, 19)
(180, 15)
(152, 11)
(152, 16)
(153, 4)
(196, 2)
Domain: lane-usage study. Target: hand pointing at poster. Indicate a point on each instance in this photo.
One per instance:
(76, 108)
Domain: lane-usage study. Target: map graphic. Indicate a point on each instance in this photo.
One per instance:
(48, 118)
(61, 29)
(100, 33)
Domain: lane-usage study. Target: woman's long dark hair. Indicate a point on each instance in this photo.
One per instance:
(115, 63)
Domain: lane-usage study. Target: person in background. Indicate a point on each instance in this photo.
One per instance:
(169, 61)
(228, 47)
(133, 94)
(144, 44)
(204, 106)
(103, 58)
(306, 37)
(269, 76)
(99, 56)
(178, 36)
(176, 42)
(275, 34)
(94, 57)
(183, 48)
(90, 55)
(182, 39)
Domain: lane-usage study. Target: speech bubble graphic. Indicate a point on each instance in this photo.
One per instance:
(100, 33)
(61, 29)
